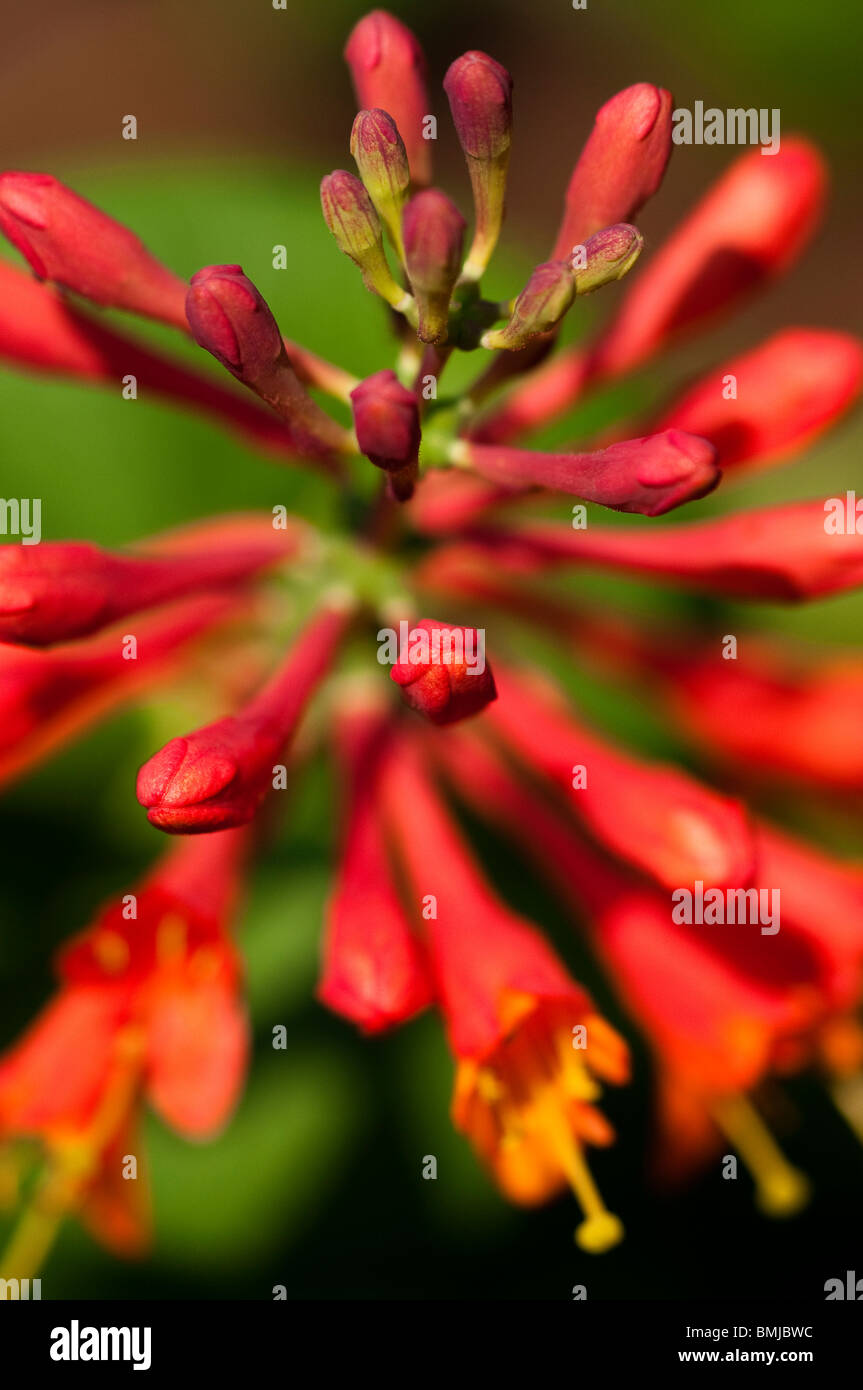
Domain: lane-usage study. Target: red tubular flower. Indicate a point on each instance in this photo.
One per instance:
(433, 231)
(57, 591)
(46, 699)
(443, 673)
(787, 392)
(41, 330)
(68, 240)
(387, 424)
(217, 777)
(229, 318)
(374, 968)
(389, 71)
(650, 815)
(620, 167)
(781, 553)
(650, 475)
(748, 229)
(154, 997)
(524, 1091)
(480, 99)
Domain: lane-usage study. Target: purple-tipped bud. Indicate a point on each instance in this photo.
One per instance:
(387, 421)
(606, 256)
(388, 69)
(230, 318)
(350, 215)
(382, 160)
(480, 98)
(433, 230)
(541, 305)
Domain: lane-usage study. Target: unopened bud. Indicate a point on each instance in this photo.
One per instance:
(382, 161)
(480, 98)
(433, 230)
(387, 421)
(541, 305)
(350, 215)
(608, 255)
(388, 69)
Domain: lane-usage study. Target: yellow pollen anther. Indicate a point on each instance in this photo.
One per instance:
(111, 951)
(170, 938)
(600, 1229)
(848, 1098)
(780, 1189)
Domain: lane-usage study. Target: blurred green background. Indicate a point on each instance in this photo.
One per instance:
(241, 108)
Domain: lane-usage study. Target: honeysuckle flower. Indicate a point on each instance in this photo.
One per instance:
(57, 591)
(48, 698)
(216, 777)
(528, 1041)
(374, 971)
(411, 917)
(155, 993)
(444, 675)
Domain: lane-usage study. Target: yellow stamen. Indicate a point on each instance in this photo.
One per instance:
(780, 1189)
(30, 1242)
(601, 1229)
(170, 938)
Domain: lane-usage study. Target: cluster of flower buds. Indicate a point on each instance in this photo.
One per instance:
(411, 920)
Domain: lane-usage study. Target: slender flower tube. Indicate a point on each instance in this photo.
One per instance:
(620, 167)
(525, 1090)
(76, 245)
(48, 698)
(57, 591)
(747, 230)
(649, 814)
(545, 299)
(433, 230)
(389, 72)
(42, 330)
(387, 425)
(444, 675)
(230, 319)
(775, 400)
(381, 158)
(787, 553)
(217, 777)
(374, 969)
(156, 997)
(480, 98)
(650, 475)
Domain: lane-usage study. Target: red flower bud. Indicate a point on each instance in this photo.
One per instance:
(230, 318)
(480, 98)
(785, 393)
(387, 421)
(443, 673)
(545, 299)
(649, 476)
(54, 592)
(620, 167)
(389, 71)
(433, 230)
(374, 968)
(217, 777)
(351, 217)
(68, 240)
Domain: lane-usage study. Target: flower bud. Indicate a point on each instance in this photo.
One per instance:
(381, 158)
(387, 421)
(541, 305)
(68, 240)
(433, 231)
(350, 215)
(608, 255)
(230, 318)
(480, 98)
(444, 676)
(388, 69)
